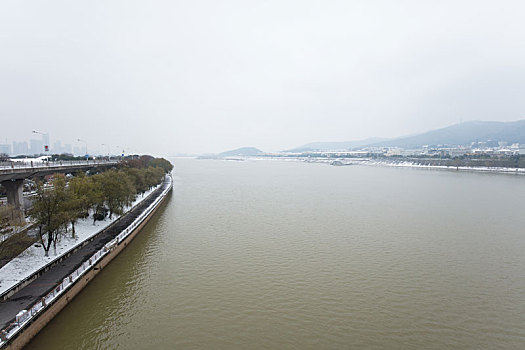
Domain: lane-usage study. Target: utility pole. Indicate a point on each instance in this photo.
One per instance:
(109, 148)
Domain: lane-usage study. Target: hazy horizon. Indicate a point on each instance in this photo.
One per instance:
(169, 77)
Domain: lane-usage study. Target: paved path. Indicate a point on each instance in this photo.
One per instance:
(34, 291)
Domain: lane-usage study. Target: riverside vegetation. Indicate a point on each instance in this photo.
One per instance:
(13, 233)
(57, 208)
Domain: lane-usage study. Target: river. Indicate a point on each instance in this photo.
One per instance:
(293, 255)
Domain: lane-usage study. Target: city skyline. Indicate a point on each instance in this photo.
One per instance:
(37, 146)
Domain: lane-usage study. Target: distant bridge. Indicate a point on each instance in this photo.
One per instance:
(12, 174)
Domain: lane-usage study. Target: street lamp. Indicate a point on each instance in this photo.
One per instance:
(85, 143)
(109, 149)
(45, 138)
(122, 154)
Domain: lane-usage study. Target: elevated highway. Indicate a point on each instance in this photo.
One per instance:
(13, 174)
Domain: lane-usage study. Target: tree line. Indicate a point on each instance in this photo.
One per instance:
(58, 205)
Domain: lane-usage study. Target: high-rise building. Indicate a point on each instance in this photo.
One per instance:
(20, 148)
(5, 149)
(36, 146)
(45, 140)
(57, 147)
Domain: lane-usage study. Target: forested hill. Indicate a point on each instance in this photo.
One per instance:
(329, 146)
(454, 135)
(463, 134)
(244, 151)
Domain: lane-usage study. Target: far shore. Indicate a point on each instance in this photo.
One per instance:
(398, 163)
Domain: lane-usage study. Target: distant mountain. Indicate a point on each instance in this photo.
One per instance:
(241, 152)
(336, 146)
(454, 135)
(462, 134)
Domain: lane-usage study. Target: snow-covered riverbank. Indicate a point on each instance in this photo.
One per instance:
(395, 163)
(411, 164)
(33, 258)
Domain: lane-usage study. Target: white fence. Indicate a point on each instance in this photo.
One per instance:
(25, 316)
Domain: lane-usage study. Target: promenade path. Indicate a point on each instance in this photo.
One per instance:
(38, 288)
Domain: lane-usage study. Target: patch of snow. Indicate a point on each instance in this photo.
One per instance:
(33, 258)
(391, 163)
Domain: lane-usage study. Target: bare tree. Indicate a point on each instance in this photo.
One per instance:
(50, 212)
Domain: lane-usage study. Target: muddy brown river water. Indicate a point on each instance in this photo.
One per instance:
(291, 255)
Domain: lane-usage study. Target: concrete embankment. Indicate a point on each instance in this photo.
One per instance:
(28, 310)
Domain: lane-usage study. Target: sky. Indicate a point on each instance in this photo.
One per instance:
(169, 77)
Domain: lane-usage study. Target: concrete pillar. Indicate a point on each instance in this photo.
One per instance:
(15, 195)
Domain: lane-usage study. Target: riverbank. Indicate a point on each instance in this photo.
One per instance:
(412, 164)
(31, 308)
(33, 258)
(484, 169)
(398, 163)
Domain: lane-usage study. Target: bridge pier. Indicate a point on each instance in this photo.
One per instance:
(15, 195)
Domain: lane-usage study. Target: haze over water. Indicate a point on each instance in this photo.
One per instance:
(274, 254)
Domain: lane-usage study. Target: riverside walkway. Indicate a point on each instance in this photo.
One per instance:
(41, 286)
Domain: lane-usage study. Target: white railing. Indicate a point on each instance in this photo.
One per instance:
(25, 316)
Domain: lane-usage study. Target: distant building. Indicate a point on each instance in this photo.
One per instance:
(57, 147)
(457, 152)
(36, 146)
(45, 140)
(505, 152)
(394, 152)
(482, 151)
(5, 149)
(413, 152)
(20, 148)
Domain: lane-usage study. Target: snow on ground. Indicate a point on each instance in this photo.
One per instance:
(32, 259)
(400, 164)
(408, 164)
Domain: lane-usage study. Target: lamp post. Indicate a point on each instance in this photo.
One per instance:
(122, 154)
(45, 137)
(109, 149)
(85, 143)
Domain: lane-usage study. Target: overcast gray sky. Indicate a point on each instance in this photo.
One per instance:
(166, 77)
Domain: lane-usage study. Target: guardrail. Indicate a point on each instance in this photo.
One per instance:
(24, 317)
